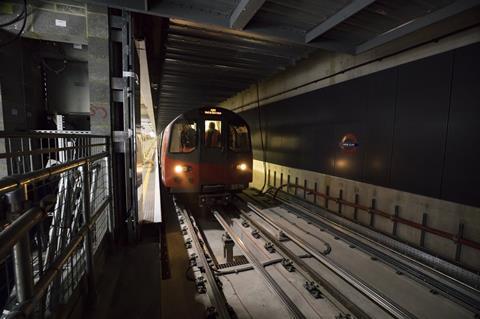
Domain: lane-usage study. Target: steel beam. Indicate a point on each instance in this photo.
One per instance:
(244, 12)
(166, 9)
(296, 36)
(186, 12)
(340, 16)
(416, 24)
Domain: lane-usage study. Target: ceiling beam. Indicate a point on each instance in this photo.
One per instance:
(337, 18)
(416, 24)
(179, 9)
(182, 11)
(244, 12)
(295, 36)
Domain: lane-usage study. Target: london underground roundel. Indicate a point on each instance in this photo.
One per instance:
(349, 143)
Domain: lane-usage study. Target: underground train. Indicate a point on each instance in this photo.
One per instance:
(206, 151)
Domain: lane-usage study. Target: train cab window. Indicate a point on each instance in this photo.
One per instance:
(213, 135)
(238, 140)
(183, 137)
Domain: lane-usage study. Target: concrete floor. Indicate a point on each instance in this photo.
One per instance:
(131, 284)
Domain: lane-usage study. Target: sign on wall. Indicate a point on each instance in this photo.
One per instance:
(349, 143)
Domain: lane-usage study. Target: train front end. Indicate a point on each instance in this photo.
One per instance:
(207, 152)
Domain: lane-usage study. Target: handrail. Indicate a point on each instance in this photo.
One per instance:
(41, 287)
(10, 183)
(375, 211)
(17, 229)
(7, 134)
(48, 150)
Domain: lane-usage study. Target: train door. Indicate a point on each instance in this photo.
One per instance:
(214, 155)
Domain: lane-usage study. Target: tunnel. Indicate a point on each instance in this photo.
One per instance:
(239, 159)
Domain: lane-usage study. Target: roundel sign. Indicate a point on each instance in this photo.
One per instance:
(349, 143)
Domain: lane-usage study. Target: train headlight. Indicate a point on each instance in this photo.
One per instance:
(180, 169)
(242, 167)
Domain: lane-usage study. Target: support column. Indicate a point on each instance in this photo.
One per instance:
(98, 69)
(99, 57)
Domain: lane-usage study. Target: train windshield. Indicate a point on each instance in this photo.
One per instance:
(238, 138)
(183, 137)
(213, 135)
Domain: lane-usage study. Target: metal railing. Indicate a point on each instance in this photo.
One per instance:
(55, 196)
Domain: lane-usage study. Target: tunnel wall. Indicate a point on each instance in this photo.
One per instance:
(416, 126)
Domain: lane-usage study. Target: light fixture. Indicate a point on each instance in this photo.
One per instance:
(242, 167)
(180, 169)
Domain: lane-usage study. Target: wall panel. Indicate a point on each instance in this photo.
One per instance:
(401, 118)
(377, 144)
(420, 124)
(462, 172)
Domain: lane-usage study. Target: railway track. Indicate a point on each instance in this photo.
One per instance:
(452, 289)
(219, 303)
(289, 304)
(298, 240)
(390, 307)
(438, 283)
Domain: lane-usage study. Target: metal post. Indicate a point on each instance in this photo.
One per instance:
(355, 210)
(22, 260)
(288, 183)
(458, 252)
(281, 179)
(92, 293)
(422, 233)
(305, 189)
(315, 189)
(340, 197)
(274, 178)
(109, 172)
(327, 193)
(296, 186)
(268, 178)
(228, 244)
(395, 223)
(372, 214)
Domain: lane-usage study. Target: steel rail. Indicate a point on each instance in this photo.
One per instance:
(216, 297)
(308, 272)
(10, 183)
(290, 305)
(374, 295)
(463, 299)
(328, 248)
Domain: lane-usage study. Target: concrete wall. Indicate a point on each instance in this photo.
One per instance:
(326, 69)
(74, 25)
(62, 21)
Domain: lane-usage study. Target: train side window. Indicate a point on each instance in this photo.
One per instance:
(213, 135)
(183, 137)
(238, 140)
